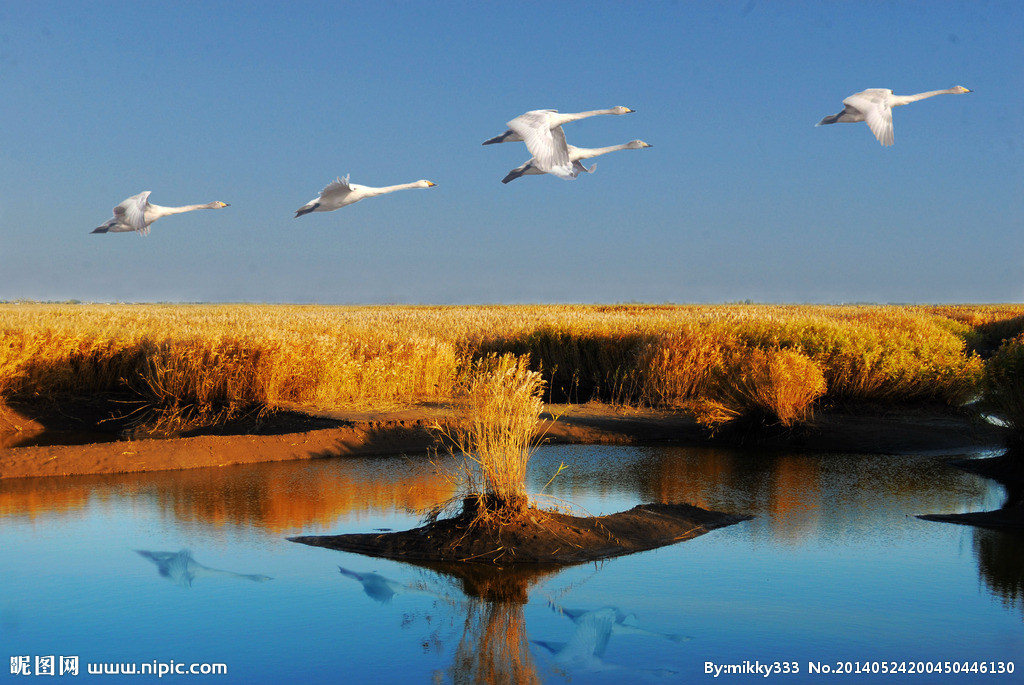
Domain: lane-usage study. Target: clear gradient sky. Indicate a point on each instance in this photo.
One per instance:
(261, 104)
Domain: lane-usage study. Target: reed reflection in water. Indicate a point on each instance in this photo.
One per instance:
(793, 496)
(493, 647)
(277, 497)
(1000, 557)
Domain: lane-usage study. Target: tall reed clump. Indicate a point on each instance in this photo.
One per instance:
(681, 367)
(499, 434)
(1004, 386)
(194, 381)
(874, 354)
(771, 386)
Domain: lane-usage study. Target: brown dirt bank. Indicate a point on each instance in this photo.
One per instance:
(309, 435)
(542, 537)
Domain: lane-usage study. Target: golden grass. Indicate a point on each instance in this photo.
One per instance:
(499, 434)
(777, 385)
(1004, 385)
(210, 362)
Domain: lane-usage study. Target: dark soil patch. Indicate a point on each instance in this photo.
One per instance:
(539, 537)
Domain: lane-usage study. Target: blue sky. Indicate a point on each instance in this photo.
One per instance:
(740, 197)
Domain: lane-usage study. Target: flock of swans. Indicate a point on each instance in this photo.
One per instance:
(541, 131)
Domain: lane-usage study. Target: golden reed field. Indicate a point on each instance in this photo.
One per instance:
(206, 363)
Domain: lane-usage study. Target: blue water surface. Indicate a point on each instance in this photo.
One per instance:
(194, 567)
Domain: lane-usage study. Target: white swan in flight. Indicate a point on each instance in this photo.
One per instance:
(575, 155)
(556, 119)
(875, 107)
(137, 213)
(541, 130)
(340, 193)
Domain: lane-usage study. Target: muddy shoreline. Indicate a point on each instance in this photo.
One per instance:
(307, 434)
(1007, 469)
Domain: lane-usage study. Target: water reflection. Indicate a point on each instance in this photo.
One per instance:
(277, 497)
(585, 650)
(35, 497)
(181, 569)
(494, 645)
(382, 589)
(834, 531)
(1000, 557)
(794, 496)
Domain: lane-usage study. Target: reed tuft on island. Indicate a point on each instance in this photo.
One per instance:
(501, 430)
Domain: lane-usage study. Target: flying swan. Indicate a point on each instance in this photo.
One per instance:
(575, 155)
(875, 107)
(541, 130)
(556, 119)
(137, 213)
(340, 193)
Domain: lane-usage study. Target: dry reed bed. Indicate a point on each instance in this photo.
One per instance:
(210, 361)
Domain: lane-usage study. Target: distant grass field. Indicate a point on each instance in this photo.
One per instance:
(205, 363)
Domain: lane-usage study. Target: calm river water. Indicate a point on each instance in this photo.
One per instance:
(193, 568)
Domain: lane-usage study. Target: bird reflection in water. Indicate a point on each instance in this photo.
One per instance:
(586, 647)
(181, 569)
(382, 589)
